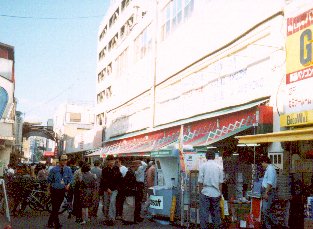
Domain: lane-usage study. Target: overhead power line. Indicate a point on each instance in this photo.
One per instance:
(50, 99)
(50, 18)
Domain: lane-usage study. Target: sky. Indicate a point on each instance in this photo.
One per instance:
(55, 45)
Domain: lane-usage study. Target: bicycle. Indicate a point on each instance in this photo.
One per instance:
(39, 200)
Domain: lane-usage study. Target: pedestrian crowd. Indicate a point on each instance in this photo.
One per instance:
(83, 186)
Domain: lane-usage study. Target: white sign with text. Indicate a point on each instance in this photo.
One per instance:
(156, 202)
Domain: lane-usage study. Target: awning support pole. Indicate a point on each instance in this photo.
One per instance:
(254, 170)
(182, 175)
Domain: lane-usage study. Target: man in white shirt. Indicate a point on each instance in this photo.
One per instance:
(269, 185)
(210, 185)
(123, 169)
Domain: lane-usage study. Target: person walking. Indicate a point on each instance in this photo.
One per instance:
(140, 178)
(53, 164)
(150, 177)
(70, 193)
(111, 178)
(88, 187)
(77, 209)
(120, 198)
(59, 179)
(210, 186)
(42, 173)
(96, 170)
(128, 190)
(268, 191)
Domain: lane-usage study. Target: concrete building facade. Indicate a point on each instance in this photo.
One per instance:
(7, 104)
(72, 123)
(163, 64)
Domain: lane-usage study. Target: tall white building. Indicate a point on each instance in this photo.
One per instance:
(212, 66)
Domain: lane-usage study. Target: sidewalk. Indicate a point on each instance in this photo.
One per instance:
(38, 220)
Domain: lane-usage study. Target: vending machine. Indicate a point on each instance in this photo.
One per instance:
(174, 189)
(166, 182)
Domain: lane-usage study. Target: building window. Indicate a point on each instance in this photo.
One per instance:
(173, 15)
(109, 69)
(143, 43)
(108, 92)
(102, 74)
(126, 28)
(113, 42)
(100, 119)
(177, 13)
(122, 63)
(279, 159)
(114, 17)
(102, 53)
(189, 7)
(103, 32)
(125, 3)
(75, 117)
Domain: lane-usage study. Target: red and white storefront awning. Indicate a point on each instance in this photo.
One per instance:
(198, 133)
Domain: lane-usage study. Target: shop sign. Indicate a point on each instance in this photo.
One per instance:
(156, 202)
(299, 62)
(161, 153)
(297, 119)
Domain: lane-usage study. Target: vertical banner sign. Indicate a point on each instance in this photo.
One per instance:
(181, 149)
(299, 62)
(182, 174)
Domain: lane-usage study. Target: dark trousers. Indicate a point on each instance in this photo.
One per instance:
(120, 198)
(57, 197)
(138, 199)
(210, 205)
(77, 205)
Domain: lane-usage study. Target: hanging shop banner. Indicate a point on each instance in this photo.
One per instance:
(299, 62)
(156, 202)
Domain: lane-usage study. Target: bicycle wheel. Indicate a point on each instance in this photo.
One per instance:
(48, 205)
(37, 201)
(64, 207)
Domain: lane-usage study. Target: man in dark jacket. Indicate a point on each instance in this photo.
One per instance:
(129, 189)
(111, 178)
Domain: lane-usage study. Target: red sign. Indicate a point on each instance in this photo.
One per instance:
(48, 153)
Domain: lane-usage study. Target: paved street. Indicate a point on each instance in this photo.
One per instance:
(38, 220)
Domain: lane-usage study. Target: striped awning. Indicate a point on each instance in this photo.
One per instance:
(198, 133)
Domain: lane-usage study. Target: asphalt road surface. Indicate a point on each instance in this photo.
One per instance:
(34, 220)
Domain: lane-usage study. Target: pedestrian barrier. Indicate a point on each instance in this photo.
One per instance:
(5, 200)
